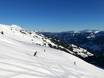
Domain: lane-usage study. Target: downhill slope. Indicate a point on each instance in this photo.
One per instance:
(17, 58)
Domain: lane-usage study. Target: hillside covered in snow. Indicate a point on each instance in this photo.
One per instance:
(25, 54)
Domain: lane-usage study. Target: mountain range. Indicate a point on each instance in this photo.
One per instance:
(29, 54)
(91, 40)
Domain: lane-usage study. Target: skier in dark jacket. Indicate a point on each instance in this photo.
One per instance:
(44, 50)
(74, 63)
(35, 53)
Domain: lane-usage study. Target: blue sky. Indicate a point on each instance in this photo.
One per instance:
(53, 15)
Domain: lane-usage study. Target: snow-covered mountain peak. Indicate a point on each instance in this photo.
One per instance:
(10, 26)
(16, 27)
(10, 29)
(18, 33)
(89, 31)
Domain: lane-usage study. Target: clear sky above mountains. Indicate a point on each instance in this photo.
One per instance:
(53, 15)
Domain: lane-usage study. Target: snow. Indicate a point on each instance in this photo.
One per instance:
(80, 51)
(17, 60)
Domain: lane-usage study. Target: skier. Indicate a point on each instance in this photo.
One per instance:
(74, 63)
(44, 50)
(2, 32)
(35, 53)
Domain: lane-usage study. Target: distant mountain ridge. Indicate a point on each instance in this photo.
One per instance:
(91, 40)
(86, 38)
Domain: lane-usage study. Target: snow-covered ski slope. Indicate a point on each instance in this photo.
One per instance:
(17, 58)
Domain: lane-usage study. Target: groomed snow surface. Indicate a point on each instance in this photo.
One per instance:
(17, 59)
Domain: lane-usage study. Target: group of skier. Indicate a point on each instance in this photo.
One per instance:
(35, 53)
